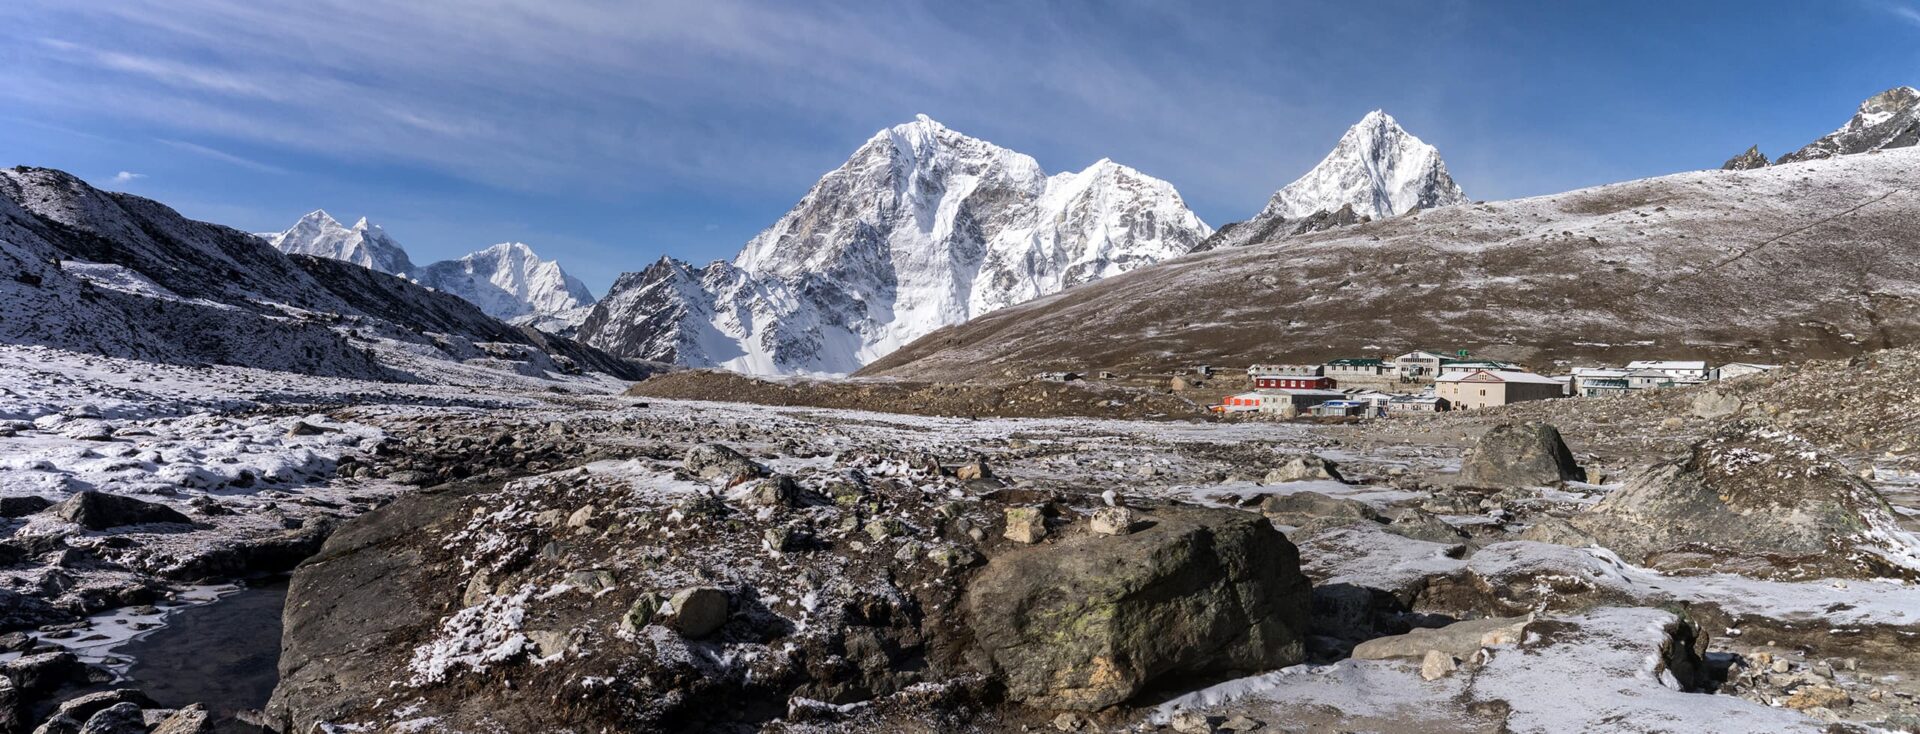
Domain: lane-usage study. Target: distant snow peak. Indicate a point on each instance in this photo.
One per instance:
(1378, 168)
(365, 244)
(508, 281)
(1890, 119)
(921, 228)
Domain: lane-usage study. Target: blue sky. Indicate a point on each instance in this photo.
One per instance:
(608, 133)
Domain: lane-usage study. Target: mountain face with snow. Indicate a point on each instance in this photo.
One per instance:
(507, 281)
(1377, 170)
(1690, 264)
(118, 275)
(364, 244)
(1890, 119)
(921, 228)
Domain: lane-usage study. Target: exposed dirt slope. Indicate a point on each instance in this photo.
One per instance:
(1815, 259)
(1024, 399)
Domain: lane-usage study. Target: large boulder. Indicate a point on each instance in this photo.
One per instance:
(1519, 455)
(1758, 500)
(1302, 468)
(718, 461)
(1090, 621)
(100, 510)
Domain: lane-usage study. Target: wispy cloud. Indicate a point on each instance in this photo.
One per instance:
(127, 177)
(723, 93)
(1904, 11)
(221, 155)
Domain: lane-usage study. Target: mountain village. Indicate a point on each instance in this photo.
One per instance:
(1429, 382)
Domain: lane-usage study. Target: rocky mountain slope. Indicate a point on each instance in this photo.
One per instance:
(1777, 264)
(1377, 170)
(921, 228)
(508, 281)
(118, 275)
(1890, 119)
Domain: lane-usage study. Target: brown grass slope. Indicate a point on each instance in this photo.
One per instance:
(1814, 259)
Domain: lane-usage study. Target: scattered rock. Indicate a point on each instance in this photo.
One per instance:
(640, 614)
(1712, 404)
(1458, 640)
(1303, 467)
(22, 506)
(303, 428)
(191, 719)
(1302, 509)
(776, 491)
(1025, 525)
(1191, 722)
(695, 612)
(84, 707)
(1519, 455)
(1817, 696)
(87, 429)
(1437, 665)
(120, 718)
(1088, 622)
(973, 471)
(1112, 521)
(717, 461)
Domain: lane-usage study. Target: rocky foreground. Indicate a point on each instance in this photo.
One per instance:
(561, 561)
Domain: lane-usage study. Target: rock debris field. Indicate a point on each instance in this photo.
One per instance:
(522, 559)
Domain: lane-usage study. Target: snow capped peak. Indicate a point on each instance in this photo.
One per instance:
(1378, 168)
(1890, 119)
(320, 218)
(320, 235)
(508, 281)
(922, 227)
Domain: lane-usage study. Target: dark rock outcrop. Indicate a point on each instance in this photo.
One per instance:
(1519, 455)
(1747, 161)
(100, 510)
(1091, 621)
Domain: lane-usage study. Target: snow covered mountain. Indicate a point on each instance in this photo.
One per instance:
(1691, 264)
(1377, 170)
(507, 281)
(364, 244)
(113, 274)
(921, 228)
(1890, 119)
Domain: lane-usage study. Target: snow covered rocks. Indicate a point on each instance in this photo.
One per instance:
(1519, 455)
(1088, 622)
(1759, 501)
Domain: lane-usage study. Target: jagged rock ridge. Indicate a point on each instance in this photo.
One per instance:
(922, 227)
(1890, 119)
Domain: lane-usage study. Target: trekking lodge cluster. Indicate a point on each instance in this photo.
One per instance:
(1428, 382)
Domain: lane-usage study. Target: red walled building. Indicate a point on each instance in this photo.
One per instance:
(1294, 382)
